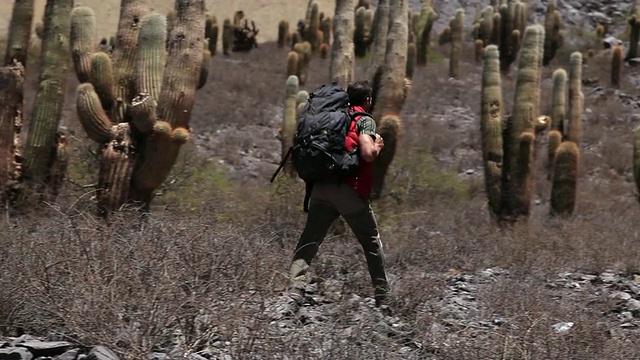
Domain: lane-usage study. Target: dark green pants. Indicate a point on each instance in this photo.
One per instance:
(328, 201)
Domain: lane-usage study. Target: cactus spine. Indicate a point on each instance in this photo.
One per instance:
(576, 99)
(162, 83)
(565, 179)
(616, 66)
(491, 127)
(341, 67)
(19, 32)
(553, 37)
(457, 29)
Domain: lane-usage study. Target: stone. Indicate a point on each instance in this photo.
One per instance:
(102, 353)
(15, 353)
(46, 348)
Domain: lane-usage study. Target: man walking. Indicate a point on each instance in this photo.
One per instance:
(348, 198)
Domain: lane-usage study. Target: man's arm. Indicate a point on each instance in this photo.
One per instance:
(369, 142)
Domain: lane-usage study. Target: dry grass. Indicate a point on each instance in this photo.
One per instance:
(216, 247)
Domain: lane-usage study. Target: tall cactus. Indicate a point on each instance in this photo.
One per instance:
(380, 31)
(283, 31)
(457, 32)
(19, 32)
(11, 98)
(513, 15)
(341, 67)
(152, 98)
(390, 91)
(576, 99)
(517, 176)
(616, 65)
(289, 120)
(634, 26)
(565, 179)
(423, 28)
(553, 37)
(43, 138)
(491, 112)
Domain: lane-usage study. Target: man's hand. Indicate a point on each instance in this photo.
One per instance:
(379, 143)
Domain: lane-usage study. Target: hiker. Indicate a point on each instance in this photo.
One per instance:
(348, 198)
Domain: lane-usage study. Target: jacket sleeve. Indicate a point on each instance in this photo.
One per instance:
(366, 126)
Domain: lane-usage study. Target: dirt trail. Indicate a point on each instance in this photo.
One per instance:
(266, 13)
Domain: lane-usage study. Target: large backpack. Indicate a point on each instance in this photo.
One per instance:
(319, 152)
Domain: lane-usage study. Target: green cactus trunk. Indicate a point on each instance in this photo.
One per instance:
(289, 120)
(227, 37)
(491, 112)
(341, 66)
(211, 30)
(565, 179)
(11, 98)
(576, 99)
(19, 32)
(519, 136)
(427, 17)
(303, 50)
(552, 40)
(559, 100)
(390, 91)
(380, 32)
(616, 66)
(283, 30)
(555, 139)
(311, 34)
(42, 140)
(359, 42)
(457, 29)
(634, 28)
(411, 60)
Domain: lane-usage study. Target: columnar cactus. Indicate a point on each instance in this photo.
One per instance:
(227, 37)
(553, 36)
(411, 60)
(634, 25)
(616, 66)
(151, 96)
(457, 30)
(311, 32)
(283, 30)
(11, 98)
(359, 36)
(422, 27)
(43, 138)
(341, 67)
(576, 99)
(19, 32)
(636, 158)
(380, 31)
(292, 63)
(479, 50)
(513, 15)
(211, 30)
(491, 112)
(326, 26)
(304, 58)
(519, 134)
(565, 179)
(508, 150)
(290, 119)
(390, 91)
(559, 100)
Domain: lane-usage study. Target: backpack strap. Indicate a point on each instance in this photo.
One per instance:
(284, 160)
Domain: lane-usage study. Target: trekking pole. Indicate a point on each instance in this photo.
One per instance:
(284, 160)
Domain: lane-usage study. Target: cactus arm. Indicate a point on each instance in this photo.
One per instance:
(92, 116)
(19, 32)
(82, 37)
(47, 109)
(151, 54)
(116, 169)
(101, 76)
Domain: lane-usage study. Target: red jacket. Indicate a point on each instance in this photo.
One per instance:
(363, 182)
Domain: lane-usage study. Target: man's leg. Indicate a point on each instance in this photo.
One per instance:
(365, 228)
(321, 215)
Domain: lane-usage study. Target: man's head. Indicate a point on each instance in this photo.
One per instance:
(360, 94)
